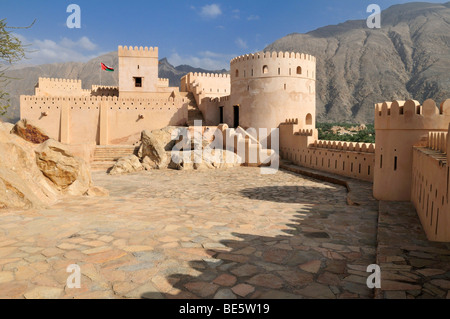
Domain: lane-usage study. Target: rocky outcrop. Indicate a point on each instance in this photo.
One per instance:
(29, 132)
(68, 174)
(126, 165)
(34, 176)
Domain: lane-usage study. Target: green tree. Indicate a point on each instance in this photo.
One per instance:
(11, 50)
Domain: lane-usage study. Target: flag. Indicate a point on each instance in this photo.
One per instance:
(107, 68)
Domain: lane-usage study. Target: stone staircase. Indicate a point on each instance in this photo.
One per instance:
(106, 156)
(194, 113)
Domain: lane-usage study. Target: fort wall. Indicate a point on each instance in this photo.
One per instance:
(52, 87)
(302, 147)
(430, 185)
(399, 126)
(102, 120)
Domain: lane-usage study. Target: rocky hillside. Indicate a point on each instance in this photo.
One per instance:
(409, 57)
(24, 80)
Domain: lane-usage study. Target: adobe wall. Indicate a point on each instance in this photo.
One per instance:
(302, 147)
(59, 87)
(430, 186)
(270, 87)
(399, 126)
(102, 120)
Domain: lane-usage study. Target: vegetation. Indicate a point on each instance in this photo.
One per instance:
(11, 50)
(346, 132)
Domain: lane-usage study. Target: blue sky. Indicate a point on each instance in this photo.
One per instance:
(201, 33)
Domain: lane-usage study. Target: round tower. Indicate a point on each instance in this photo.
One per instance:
(268, 88)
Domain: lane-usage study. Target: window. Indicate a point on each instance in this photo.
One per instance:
(279, 71)
(299, 70)
(138, 82)
(138, 67)
(309, 120)
(237, 73)
(265, 69)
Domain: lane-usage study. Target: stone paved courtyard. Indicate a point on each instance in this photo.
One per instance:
(196, 234)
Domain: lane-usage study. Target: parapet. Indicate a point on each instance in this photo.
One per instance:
(345, 146)
(56, 80)
(274, 55)
(290, 122)
(410, 115)
(437, 141)
(210, 75)
(145, 52)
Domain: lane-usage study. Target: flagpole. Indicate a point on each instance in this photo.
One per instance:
(100, 76)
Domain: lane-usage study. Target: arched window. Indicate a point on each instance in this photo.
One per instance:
(237, 73)
(309, 120)
(265, 69)
(299, 70)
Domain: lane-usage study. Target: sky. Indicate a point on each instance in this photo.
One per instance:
(206, 34)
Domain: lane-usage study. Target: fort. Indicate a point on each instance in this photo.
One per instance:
(408, 162)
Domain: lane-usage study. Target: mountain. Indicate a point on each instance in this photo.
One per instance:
(23, 80)
(409, 57)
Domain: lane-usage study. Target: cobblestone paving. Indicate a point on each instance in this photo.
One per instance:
(203, 234)
(411, 266)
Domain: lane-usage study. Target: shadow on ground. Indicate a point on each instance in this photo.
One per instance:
(324, 253)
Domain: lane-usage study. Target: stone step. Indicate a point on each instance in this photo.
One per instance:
(102, 166)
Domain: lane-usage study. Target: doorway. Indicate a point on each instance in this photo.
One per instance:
(221, 114)
(236, 116)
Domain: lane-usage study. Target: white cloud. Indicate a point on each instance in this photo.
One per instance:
(206, 60)
(211, 11)
(66, 50)
(253, 18)
(241, 43)
(236, 14)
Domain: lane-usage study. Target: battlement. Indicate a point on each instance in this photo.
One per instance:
(123, 101)
(272, 55)
(104, 87)
(345, 146)
(56, 80)
(210, 75)
(144, 52)
(290, 122)
(437, 141)
(163, 82)
(411, 115)
(304, 132)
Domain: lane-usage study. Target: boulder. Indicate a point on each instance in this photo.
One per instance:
(96, 191)
(22, 184)
(148, 164)
(155, 144)
(29, 132)
(208, 159)
(69, 174)
(125, 165)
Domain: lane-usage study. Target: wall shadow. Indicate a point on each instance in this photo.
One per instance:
(323, 252)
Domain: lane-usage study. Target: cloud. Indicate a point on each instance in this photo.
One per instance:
(253, 18)
(211, 11)
(236, 14)
(241, 43)
(206, 60)
(45, 51)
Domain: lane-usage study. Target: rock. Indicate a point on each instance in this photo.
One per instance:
(155, 144)
(29, 132)
(225, 294)
(22, 184)
(126, 165)
(206, 159)
(69, 174)
(148, 164)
